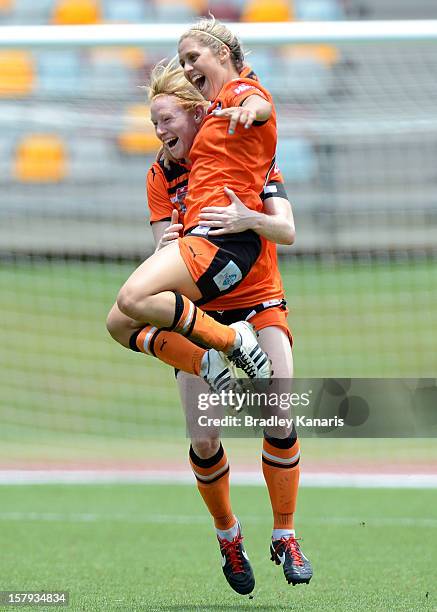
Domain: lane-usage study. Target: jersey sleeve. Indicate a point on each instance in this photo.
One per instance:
(158, 201)
(276, 175)
(240, 90)
(274, 186)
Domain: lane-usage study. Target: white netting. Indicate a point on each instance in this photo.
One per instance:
(358, 149)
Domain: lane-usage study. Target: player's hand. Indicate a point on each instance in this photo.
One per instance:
(236, 115)
(230, 219)
(172, 232)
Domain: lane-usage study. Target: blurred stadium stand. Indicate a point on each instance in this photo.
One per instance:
(128, 11)
(344, 116)
(357, 126)
(71, 12)
(267, 10)
(40, 158)
(17, 73)
(319, 10)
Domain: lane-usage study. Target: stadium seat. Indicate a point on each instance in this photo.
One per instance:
(228, 10)
(74, 12)
(267, 10)
(318, 10)
(118, 59)
(6, 6)
(175, 11)
(296, 159)
(126, 11)
(306, 71)
(108, 72)
(138, 136)
(30, 12)
(325, 54)
(58, 73)
(17, 74)
(200, 7)
(92, 158)
(6, 149)
(40, 158)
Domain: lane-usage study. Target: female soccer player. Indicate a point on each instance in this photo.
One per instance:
(167, 289)
(177, 111)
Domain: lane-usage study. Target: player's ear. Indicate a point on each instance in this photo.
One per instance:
(199, 113)
(224, 53)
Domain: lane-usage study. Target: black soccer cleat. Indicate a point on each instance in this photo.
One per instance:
(287, 552)
(236, 566)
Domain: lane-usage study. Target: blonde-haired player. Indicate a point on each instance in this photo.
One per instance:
(178, 110)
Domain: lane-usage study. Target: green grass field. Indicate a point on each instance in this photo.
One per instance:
(61, 372)
(135, 547)
(69, 393)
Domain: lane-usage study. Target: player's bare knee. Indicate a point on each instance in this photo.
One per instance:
(111, 325)
(116, 330)
(131, 302)
(206, 447)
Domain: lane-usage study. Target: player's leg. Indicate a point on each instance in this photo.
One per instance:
(171, 348)
(280, 464)
(161, 291)
(121, 327)
(210, 466)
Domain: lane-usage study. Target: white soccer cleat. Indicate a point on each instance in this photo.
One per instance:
(217, 371)
(247, 354)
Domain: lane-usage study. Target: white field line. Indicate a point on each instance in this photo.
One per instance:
(87, 517)
(319, 479)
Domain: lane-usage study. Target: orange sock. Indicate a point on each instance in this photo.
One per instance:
(192, 322)
(212, 477)
(280, 463)
(169, 347)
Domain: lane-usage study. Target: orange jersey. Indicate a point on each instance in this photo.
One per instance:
(167, 191)
(241, 160)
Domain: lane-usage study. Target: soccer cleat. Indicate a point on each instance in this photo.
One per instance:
(249, 356)
(287, 552)
(235, 564)
(217, 371)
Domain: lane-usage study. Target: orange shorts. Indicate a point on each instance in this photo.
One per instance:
(218, 264)
(273, 316)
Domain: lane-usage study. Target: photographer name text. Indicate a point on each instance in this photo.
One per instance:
(272, 421)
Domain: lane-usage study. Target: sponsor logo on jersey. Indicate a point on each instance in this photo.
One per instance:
(179, 197)
(243, 87)
(229, 280)
(228, 276)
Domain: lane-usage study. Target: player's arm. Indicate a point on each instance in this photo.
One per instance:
(247, 105)
(254, 108)
(260, 107)
(276, 223)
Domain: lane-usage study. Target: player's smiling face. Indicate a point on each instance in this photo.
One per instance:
(206, 70)
(175, 126)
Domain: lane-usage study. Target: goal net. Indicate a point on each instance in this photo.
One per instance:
(358, 149)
